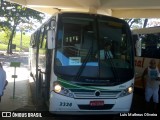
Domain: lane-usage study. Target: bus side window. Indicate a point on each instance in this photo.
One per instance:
(151, 45)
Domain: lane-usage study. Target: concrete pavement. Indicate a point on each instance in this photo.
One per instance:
(22, 96)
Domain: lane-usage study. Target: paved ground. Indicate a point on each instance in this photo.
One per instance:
(23, 99)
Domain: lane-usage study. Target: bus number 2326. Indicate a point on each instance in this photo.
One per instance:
(65, 104)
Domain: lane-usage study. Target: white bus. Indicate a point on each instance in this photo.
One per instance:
(69, 76)
(149, 44)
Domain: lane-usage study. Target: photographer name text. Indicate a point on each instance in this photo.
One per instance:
(138, 114)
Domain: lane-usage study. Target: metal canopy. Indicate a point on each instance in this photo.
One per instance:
(116, 8)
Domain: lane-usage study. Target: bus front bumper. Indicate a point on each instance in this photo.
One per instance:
(60, 104)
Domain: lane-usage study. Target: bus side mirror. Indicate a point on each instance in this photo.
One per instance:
(51, 39)
(138, 45)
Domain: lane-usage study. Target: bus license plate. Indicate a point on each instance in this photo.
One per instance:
(96, 103)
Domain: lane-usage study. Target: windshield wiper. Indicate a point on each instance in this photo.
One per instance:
(83, 64)
(114, 70)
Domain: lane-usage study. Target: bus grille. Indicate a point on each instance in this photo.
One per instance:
(92, 94)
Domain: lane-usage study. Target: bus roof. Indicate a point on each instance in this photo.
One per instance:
(147, 30)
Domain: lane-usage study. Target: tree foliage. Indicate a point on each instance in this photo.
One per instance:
(132, 21)
(13, 15)
(137, 22)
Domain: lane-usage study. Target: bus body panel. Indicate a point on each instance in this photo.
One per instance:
(141, 63)
(61, 105)
(150, 48)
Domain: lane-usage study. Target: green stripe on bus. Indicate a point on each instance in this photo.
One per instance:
(70, 85)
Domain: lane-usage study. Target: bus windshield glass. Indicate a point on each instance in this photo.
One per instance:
(82, 55)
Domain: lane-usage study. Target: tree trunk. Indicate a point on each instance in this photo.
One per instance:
(145, 23)
(9, 48)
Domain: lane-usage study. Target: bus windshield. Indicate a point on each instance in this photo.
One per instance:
(81, 54)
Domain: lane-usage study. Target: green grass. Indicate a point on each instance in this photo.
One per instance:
(3, 47)
(16, 41)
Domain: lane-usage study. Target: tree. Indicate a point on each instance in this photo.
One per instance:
(14, 15)
(145, 23)
(137, 22)
(132, 21)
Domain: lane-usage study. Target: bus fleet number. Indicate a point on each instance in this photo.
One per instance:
(65, 104)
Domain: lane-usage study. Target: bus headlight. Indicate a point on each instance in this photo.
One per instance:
(130, 89)
(127, 91)
(57, 88)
